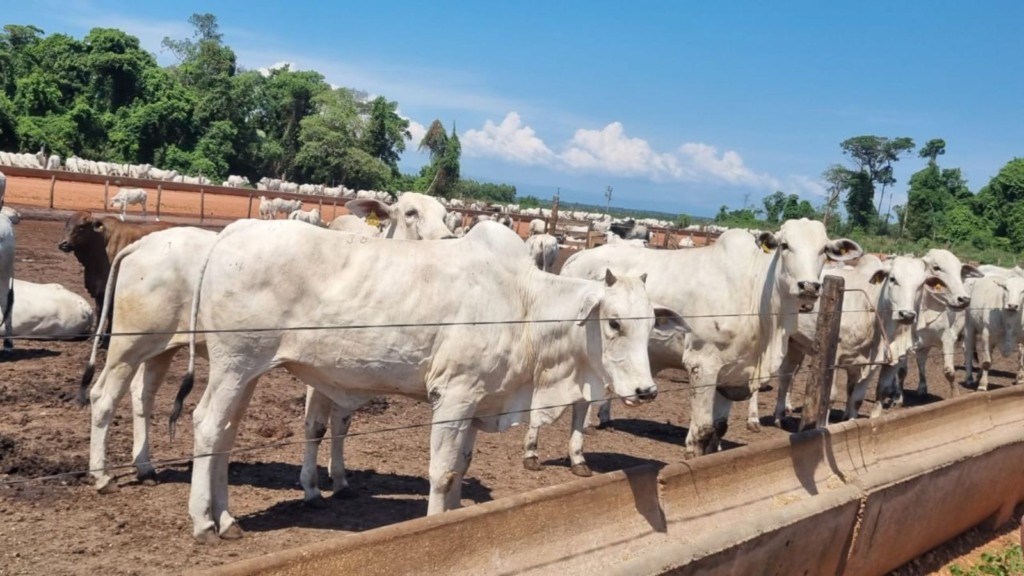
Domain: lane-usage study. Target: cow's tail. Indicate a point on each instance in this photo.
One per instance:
(193, 322)
(105, 310)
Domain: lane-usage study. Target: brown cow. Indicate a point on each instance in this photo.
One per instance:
(95, 242)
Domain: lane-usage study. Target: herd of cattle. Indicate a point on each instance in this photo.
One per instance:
(478, 326)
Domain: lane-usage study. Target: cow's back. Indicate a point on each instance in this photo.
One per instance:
(118, 234)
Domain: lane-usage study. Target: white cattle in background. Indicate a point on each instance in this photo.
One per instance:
(993, 322)
(687, 241)
(940, 319)
(538, 226)
(311, 216)
(412, 216)
(286, 207)
(50, 311)
(877, 315)
(543, 250)
(3, 188)
(127, 196)
(613, 238)
(605, 348)
(453, 220)
(53, 162)
(150, 289)
(237, 181)
(741, 297)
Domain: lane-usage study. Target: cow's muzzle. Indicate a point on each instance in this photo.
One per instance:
(808, 293)
(960, 303)
(64, 246)
(906, 316)
(641, 396)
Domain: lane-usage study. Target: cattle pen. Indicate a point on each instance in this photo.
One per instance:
(839, 499)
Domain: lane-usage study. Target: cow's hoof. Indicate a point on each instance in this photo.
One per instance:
(582, 470)
(345, 493)
(233, 532)
(107, 486)
(207, 538)
(147, 478)
(590, 430)
(531, 463)
(754, 426)
(316, 503)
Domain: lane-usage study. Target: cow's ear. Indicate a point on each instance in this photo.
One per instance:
(879, 276)
(97, 225)
(588, 308)
(363, 207)
(970, 271)
(767, 242)
(843, 249)
(609, 278)
(667, 320)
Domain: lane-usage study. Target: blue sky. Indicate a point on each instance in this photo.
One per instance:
(679, 106)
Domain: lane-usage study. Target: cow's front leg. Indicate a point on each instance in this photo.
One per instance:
(702, 434)
(447, 438)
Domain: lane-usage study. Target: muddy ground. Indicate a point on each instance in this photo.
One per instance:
(62, 526)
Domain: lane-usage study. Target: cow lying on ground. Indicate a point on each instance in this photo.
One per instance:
(50, 311)
(95, 242)
(311, 216)
(469, 372)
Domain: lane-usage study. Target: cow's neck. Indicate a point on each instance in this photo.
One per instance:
(546, 344)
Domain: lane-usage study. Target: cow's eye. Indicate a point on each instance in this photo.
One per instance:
(893, 281)
(784, 245)
(410, 213)
(615, 325)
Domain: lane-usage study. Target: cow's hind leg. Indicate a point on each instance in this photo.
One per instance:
(318, 411)
(110, 387)
(144, 387)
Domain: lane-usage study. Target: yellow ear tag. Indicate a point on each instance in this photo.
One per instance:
(766, 249)
(372, 219)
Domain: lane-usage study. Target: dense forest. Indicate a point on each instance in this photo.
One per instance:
(941, 211)
(103, 97)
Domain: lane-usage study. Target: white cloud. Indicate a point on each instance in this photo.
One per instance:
(266, 70)
(509, 140)
(417, 130)
(611, 151)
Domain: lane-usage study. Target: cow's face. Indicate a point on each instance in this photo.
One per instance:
(904, 279)
(80, 231)
(1013, 291)
(946, 278)
(619, 324)
(803, 247)
(414, 216)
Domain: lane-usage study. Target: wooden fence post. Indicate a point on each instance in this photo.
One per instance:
(159, 194)
(823, 359)
(106, 185)
(202, 205)
(248, 213)
(334, 212)
(53, 182)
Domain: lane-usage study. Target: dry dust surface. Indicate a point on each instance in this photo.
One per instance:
(61, 526)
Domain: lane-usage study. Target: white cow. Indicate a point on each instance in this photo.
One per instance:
(879, 301)
(994, 321)
(613, 238)
(150, 289)
(13, 215)
(126, 196)
(543, 250)
(53, 162)
(453, 220)
(311, 216)
(286, 207)
(3, 188)
(687, 241)
(940, 318)
(267, 210)
(538, 226)
(412, 216)
(741, 296)
(50, 311)
(7, 246)
(467, 371)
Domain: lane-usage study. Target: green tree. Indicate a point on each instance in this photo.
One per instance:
(932, 149)
(859, 201)
(773, 206)
(386, 133)
(875, 156)
(445, 152)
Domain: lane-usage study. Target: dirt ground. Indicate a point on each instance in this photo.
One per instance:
(62, 526)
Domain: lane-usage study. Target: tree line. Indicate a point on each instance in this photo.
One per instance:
(103, 97)
(941, 210)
